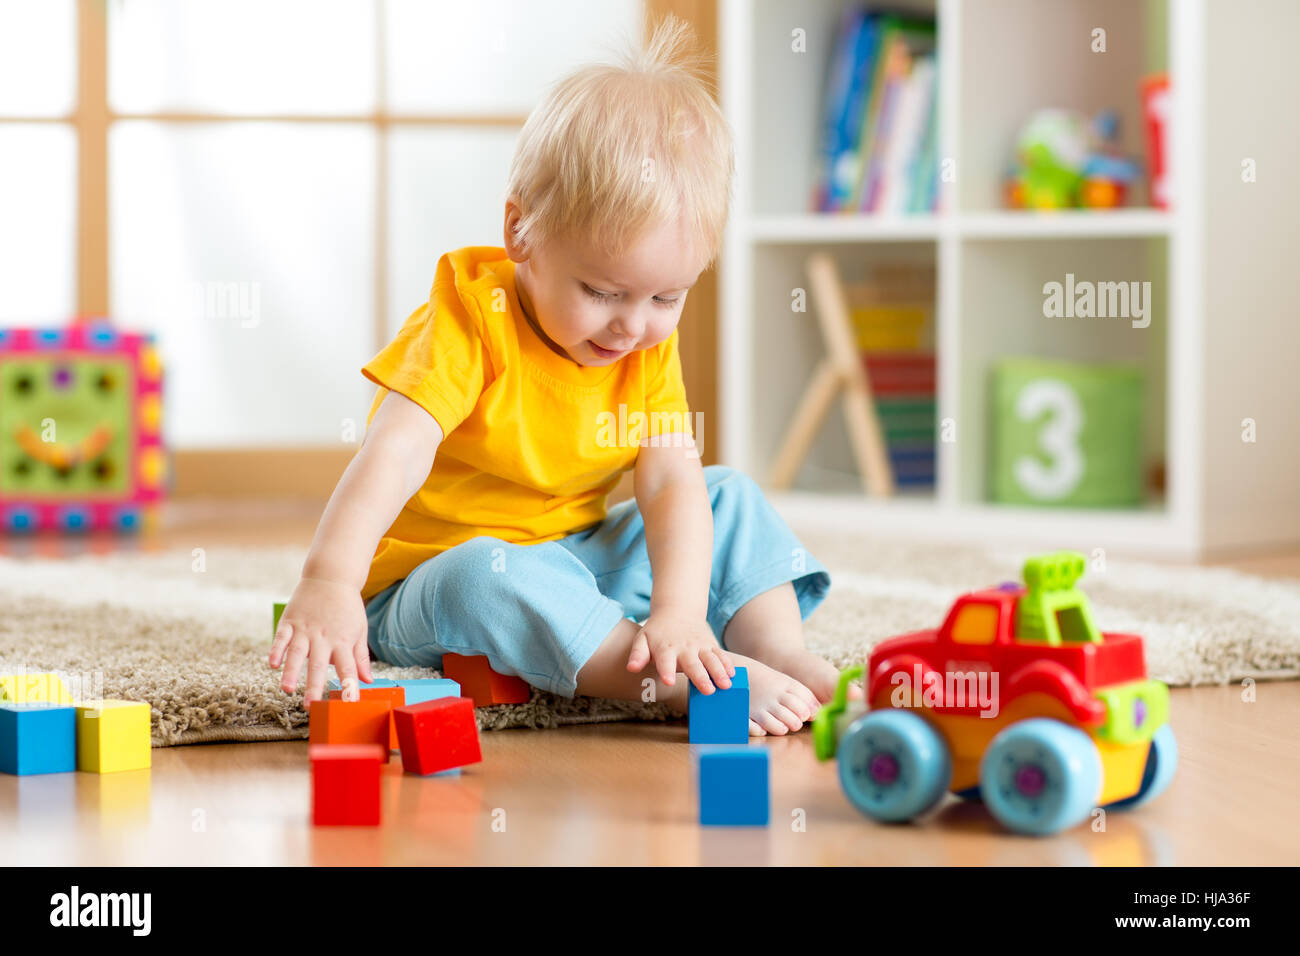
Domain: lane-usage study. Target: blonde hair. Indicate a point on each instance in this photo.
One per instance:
(614, 148)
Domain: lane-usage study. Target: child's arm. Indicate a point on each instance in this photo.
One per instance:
(674, 503)
(325, 620)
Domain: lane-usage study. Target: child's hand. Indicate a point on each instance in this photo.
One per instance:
(325, 623)
(681, 642)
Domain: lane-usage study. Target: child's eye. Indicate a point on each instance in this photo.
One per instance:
(606, 296)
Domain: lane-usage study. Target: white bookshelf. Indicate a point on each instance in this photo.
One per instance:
(999, 60)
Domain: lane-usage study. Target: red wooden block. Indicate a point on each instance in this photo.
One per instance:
(351, 722)
(395, 695)
(345, 784)
(437, 735)
(481, 683)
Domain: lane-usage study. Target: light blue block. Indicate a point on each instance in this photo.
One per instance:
(723, 716)
(333, 684)
(419, 690)
(734, 785)
(38, 738)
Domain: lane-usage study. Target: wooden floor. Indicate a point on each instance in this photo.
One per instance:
(622, 794)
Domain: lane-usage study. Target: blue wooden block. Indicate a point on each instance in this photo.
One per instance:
(422, 689)
(38, 738)
(333, 684)
(734, 787)
(723, 716)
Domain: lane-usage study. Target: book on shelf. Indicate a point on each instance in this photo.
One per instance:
(878, 151)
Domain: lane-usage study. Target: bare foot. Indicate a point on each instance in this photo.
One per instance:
(816, 673)
(778, 704)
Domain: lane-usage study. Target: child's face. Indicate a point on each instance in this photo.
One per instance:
(597, 309)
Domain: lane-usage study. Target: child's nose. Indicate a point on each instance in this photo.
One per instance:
(628, 327)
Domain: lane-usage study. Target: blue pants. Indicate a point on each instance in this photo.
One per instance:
(539, 611)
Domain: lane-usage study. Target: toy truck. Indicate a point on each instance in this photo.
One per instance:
(1017, 700)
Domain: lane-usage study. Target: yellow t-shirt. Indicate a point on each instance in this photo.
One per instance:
(533, 442)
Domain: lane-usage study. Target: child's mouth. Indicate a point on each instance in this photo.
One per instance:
(603, 352)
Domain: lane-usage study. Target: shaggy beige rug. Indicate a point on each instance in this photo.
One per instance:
(193, 642)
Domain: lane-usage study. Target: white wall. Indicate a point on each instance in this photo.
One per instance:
(1252, 259)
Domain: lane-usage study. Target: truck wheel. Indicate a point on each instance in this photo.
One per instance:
(1162, 762)
(1040, 776)
(893, 765)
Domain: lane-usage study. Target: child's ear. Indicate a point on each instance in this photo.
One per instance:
(513, 246)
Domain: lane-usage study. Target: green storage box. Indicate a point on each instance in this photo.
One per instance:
(1066, 433)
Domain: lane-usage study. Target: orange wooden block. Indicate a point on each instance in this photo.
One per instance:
(396, 696)
(351, 722)
(479, 681)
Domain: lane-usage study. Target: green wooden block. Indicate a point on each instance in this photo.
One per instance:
(1066, 433)
(276, 610)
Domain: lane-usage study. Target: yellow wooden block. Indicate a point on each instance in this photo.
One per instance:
(112, 735)
(28, 688)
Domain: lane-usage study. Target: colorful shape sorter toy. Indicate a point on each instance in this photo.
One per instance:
(723, 716)
(80, 428)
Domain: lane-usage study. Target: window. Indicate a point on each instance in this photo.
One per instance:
(267, 186)
(976, 624)
(38, 161)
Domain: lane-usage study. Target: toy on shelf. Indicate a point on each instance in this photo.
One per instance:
(1156, 107)
(723, 716)
(893, 322)
(1107, 173)
(1064, 162)
(481, 683)
(81, 443)
(1018, 700)
(345, 783)
(843, 374)
(113, 735)
(438, 735)
(734, 786)
(1066, 434)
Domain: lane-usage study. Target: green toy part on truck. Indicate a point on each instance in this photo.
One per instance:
(1134, 711)
(1053, 610)
(829, 720)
